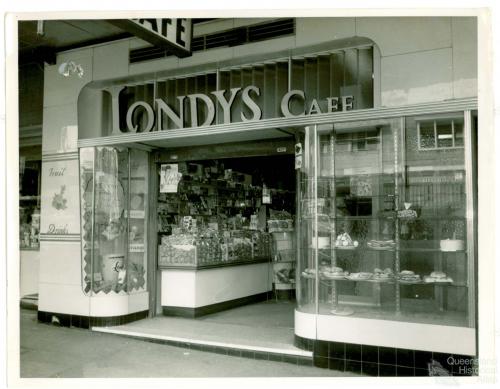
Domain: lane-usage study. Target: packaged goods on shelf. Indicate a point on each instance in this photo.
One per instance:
(211, 247)
(177, 249)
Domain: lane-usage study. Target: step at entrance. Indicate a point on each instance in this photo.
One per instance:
(275, 344)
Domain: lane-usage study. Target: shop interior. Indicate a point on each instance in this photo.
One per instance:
(230, 213)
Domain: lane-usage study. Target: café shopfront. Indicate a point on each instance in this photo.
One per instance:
(167, 204)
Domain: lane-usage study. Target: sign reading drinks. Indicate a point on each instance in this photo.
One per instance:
(152, 114)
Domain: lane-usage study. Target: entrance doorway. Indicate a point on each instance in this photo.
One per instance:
(226, 238)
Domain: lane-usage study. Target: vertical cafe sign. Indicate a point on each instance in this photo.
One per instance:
(60, 206)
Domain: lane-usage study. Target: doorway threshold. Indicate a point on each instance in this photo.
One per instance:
(249, 331)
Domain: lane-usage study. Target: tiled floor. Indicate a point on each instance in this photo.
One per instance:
(266, 326)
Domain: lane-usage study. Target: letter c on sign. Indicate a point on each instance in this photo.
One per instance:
(149, 112)
(285, 103)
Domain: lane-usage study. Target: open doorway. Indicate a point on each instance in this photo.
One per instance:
(226, 240)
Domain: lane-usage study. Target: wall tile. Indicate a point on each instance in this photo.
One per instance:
(321, 362)
(421, 372)
(369, 368)
(276, 357)
(261, 355)
(465, 56)
(111, 60)
(336, 350)
(55, 118)
(398, 35)
(405, 357)
(403, 371)
(62, 298)
(336, 364)
(369, 353)
(387, 355)
(417, 77)
(290, 359)
(60, 263)
(443, 359)
(321, 348)
(386, 370)
(422, 358)
(315, 30)
(60, 90)
(353, 352)
(353, 366)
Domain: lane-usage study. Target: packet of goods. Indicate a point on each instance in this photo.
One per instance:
(407, 214)
(344, 240)
(379, 244)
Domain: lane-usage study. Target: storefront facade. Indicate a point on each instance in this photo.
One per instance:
(381, 127)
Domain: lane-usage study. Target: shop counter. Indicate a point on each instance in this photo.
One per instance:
(191, 291)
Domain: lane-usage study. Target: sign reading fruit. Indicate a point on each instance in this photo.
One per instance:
(59, 202)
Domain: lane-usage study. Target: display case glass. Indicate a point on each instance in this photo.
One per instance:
(210, 215)
(114, 219)
(383, 221)
(29, 204)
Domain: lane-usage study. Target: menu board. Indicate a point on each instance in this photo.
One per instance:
(60, 198)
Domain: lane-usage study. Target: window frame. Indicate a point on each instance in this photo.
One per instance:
(436, 144)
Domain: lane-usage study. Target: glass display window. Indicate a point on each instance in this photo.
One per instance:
(383, 230)
(114, 188)
(29, 204)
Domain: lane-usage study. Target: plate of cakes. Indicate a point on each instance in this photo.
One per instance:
(379, 275)
(309, 273)
(334, 273)
(409, 277)
(437, 277)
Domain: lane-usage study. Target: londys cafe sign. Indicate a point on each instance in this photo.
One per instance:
(142, 116)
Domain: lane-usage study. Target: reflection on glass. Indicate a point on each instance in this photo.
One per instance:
(383, 221)
(113, 239)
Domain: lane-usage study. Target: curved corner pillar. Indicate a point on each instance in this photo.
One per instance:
(304, 329)
(60, 291)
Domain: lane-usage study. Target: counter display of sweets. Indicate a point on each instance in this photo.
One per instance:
(208, 246)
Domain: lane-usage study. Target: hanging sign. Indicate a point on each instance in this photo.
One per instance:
(169, 178)
(174, 35)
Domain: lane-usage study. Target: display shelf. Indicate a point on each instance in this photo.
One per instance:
(371, 198)
(202, 266)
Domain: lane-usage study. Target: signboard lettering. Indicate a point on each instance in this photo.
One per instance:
(172, 34)
(224, 99)
(61, 230)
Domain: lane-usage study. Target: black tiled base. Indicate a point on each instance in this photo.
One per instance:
(303, 343)
(258, 355)
(381, 361)
(68, 320)
(214, 308)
